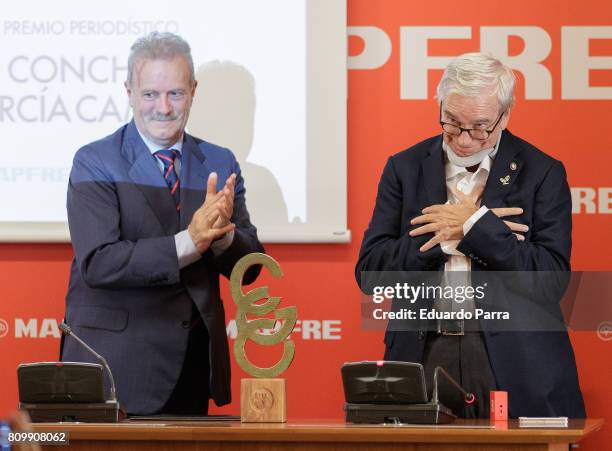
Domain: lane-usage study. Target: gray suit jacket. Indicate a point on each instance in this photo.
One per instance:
(127, 297)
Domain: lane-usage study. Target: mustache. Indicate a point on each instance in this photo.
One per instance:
(163, 117)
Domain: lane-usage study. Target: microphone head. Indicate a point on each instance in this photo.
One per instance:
(470, 398)
(65, 328)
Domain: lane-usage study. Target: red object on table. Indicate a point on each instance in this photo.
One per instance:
(499, 406)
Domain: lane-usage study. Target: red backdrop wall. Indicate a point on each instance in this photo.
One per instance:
(319, 279)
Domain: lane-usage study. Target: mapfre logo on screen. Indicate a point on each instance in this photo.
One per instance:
(306, 329)
(580, 56)
(31, 328)
(4, 329)
(592, 200)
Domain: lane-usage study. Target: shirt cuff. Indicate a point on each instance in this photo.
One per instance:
(219, 246)
(449, 247)
(186, 251)
(469, 223)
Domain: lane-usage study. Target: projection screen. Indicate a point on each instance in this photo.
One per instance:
(271, 87)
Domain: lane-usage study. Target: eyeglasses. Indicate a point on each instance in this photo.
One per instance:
(479, 134)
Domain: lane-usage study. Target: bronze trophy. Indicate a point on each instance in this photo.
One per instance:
(263, 397)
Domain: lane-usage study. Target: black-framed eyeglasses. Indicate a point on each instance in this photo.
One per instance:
(479, 134)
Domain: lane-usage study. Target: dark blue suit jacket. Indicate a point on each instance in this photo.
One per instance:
(127, 297)
(536, 368)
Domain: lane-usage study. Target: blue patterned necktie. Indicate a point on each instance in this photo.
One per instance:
(168, 157)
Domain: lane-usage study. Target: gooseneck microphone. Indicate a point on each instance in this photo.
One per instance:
(469, 398)
(68, 331)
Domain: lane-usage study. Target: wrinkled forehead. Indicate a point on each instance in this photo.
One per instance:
(175, 67)
(482, 106)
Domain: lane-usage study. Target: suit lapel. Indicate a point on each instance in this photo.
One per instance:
(504, 172)
(194, 175)
(434, 175)
(146, 176)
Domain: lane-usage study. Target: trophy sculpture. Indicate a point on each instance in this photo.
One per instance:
(262, 397)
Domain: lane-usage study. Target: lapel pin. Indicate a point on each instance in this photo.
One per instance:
(513, 166)
(505, 180)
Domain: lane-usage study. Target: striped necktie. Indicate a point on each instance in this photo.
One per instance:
(168, 157)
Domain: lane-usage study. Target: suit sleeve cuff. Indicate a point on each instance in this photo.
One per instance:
(186, 251)
(469, 223)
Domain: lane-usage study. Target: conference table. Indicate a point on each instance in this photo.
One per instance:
(316, 435)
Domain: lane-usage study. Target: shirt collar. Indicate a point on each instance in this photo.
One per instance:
(155, 147)
(452, 170)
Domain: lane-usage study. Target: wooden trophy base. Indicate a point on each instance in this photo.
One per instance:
(263, 400)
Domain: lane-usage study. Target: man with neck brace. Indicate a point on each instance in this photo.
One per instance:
(478, 198)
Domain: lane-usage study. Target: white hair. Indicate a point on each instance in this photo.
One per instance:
(159, 45)
(473, 74)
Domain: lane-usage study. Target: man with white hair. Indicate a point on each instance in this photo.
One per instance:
(478, 198)
(156, 216)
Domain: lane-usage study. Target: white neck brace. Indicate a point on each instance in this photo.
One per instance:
(470, 160)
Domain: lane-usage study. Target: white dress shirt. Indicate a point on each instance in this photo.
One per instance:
(461, 179)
